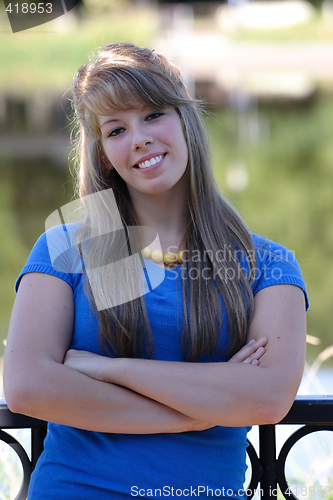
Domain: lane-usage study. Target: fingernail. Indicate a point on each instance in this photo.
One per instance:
(251, 341)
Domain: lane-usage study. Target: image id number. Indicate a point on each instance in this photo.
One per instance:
(32, 8)
(305, 491)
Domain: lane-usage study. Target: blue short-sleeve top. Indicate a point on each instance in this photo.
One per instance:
(78, 464)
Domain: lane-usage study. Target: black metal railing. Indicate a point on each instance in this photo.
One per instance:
(9, 420)
(313, 413)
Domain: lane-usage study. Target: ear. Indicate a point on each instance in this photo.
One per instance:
(106, 162)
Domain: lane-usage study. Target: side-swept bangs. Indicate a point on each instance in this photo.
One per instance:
(127, 87)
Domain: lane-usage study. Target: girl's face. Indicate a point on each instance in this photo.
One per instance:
(146, 147)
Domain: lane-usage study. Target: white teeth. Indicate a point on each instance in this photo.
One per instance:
(151, 162)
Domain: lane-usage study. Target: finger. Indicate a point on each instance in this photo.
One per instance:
(252, 347)
(248, 349)
(256, 355)
(242, 355)
(259, 353)
(263, 341)
(260, 342)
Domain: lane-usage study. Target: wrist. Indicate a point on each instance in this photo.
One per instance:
(113, 370)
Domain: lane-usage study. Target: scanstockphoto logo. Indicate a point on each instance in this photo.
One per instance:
(24, 15)
(120, 277)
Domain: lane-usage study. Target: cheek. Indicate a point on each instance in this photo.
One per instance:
(114, 155)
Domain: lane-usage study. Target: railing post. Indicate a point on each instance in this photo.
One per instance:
(37, 446)
(267, 452)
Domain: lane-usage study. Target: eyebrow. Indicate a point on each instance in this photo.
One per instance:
(110, 120)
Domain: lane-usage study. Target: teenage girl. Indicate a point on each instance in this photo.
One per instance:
(150, 393)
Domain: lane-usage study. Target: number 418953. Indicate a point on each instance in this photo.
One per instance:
(306, 491)
(32, 8)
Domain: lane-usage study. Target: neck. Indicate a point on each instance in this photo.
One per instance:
(168, 215)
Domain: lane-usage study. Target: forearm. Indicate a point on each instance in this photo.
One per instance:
(210, 392)
(56, 393)
(232, 394)
(219, 393)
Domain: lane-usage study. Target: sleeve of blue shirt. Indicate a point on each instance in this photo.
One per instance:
(276, 265)
(55, 253)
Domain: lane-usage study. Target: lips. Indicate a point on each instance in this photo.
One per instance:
(150, 161)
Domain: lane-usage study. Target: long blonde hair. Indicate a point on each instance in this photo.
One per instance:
(121, 77)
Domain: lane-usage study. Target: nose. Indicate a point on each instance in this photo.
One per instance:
(141, 138)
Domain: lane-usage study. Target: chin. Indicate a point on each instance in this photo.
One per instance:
(159, 188)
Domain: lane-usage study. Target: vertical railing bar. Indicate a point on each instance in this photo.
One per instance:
(37, 446)
(267, 454)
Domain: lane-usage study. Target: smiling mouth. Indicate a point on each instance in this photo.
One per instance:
(150, 163)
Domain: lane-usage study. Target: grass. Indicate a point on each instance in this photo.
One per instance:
(49, 55)
(315, 30)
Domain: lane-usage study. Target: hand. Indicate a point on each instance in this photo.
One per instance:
(250, 353)
(88, 363)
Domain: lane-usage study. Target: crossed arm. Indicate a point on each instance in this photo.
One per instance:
(146, 396)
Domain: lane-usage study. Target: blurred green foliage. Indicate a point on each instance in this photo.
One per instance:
(289, 197)
(29, 192)
(49, 55)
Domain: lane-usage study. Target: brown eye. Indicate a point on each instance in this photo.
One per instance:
(152, 116)
(115, 132)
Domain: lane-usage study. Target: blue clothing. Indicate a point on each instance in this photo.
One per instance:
(85, 465)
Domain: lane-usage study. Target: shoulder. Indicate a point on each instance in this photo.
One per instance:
(62, 248)
(267, 249)
(55, 253)
(275, 265)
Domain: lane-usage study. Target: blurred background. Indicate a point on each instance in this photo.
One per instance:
(264, 70)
